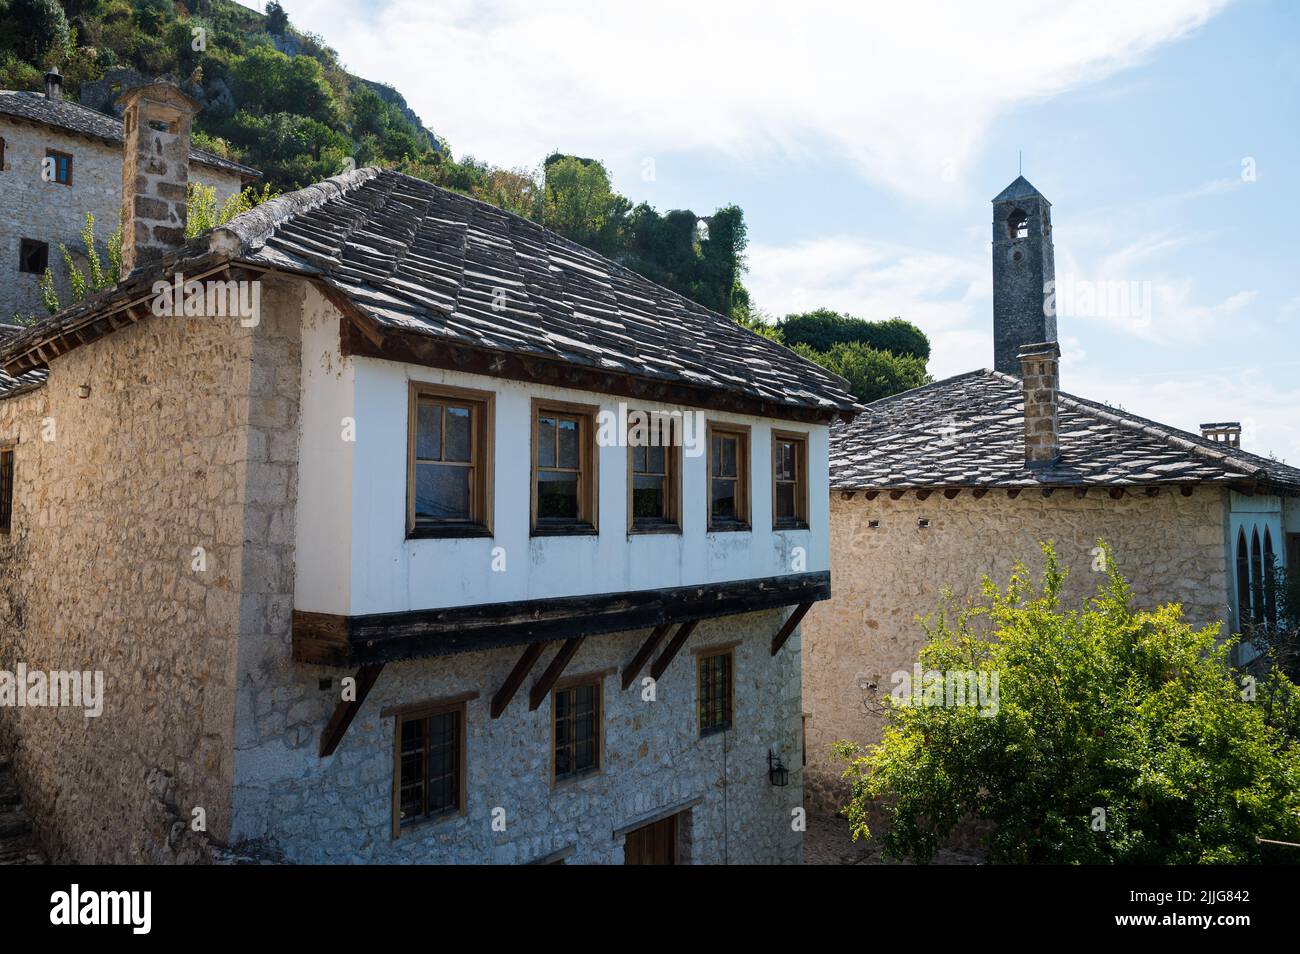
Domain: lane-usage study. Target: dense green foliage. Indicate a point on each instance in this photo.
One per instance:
(1120, 736)
(822, 329)
(871, 374)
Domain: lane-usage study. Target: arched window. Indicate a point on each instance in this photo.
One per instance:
(1269, 580)
(1256, 579)
(1243, 581)
(1017, 224)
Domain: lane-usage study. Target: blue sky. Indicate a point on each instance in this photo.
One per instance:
(865, 144)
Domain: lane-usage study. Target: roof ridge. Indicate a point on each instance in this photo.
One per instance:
(249, 230)
(923, 387)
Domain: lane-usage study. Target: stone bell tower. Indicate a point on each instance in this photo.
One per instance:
(1024, 273)
(156, 120)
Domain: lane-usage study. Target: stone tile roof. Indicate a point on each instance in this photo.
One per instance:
(11, 386)
(968, 432)
(73, 117)
(420, 259)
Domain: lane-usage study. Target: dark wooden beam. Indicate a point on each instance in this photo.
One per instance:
(633, 669)
(666, 657)
(1013, 493)
(516, 678)
(1186, 491)
(979, 492)
(1080, 492)
(872, 494)
(1116, 493)
(542, 688)
(349, 641)
(1048, 491)
(896, 494)
(847, 494)
(923, 494)
(788, 627)
(345, 712)
(952, 492)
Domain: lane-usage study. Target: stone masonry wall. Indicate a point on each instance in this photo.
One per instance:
(52, 212)
(1169, 547)
(166, 455)
(339, 809)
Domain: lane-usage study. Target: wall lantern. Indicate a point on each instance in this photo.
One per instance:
(777, 773)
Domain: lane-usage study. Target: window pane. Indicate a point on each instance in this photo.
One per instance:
(444, 758)
(648, 498)
(655, 462)
(568, 433)
(715, 455)
(412, 768)
(785, 460)
(546, 442)
(557, 496)
(728, 457)
(724, 499)
(785, 501)
(442, 492)
(428, 431)
(638, 460)
(458, 429)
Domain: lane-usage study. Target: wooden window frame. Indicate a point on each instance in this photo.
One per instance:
(744, 513)
(57, 154)
(482, 461)
(704, 654)
(8, 482)
(596, 680)
(588, 522)
(800, 520)
(672, 520)
(422, 710)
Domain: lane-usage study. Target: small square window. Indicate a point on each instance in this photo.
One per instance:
(564, 468)
(728, 477)
(715, 691)
(33, 256)
(576, 713)
(58, 167)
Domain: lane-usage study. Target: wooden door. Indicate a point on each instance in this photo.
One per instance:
(653, 844)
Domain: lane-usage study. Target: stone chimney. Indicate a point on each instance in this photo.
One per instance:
(54, 86)
(156, 119)
(1040, 372)
(1226, 432)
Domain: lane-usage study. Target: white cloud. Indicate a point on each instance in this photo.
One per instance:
(905, 91)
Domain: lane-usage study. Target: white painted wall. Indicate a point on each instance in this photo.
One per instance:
(371, 568)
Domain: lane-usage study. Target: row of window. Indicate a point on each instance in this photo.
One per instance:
(59, 164)
(1256, 564)
(429, 769)
(449, 479)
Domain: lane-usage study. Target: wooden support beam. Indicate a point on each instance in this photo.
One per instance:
(979, 492)
(1013, 493)
(542, 687)
(1116, 493)
(666, 657)
(872, 494)
(923, 494)
(633, 669)
(345, 712)
(1187, 490)
(527, 661)
(784, 632)
(896, 494)
(847, 494)
(952, 492)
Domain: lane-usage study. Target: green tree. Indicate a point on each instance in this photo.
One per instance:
(1119, 736)
(267, 81)
(822, 329)
(871, 374)
(277, 21)
(33, 29)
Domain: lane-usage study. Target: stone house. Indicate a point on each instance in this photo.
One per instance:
(944, 484)
(372, 573)
(58, 161)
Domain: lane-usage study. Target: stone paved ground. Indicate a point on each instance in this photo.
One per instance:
(16, 844)
(827, 842)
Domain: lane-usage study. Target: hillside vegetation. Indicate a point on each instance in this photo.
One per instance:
(279, 100)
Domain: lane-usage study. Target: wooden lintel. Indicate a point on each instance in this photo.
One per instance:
(666, 657)
(788, 627)
(345, 712)
(542, 688)
(633, 669)
(527, 661)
